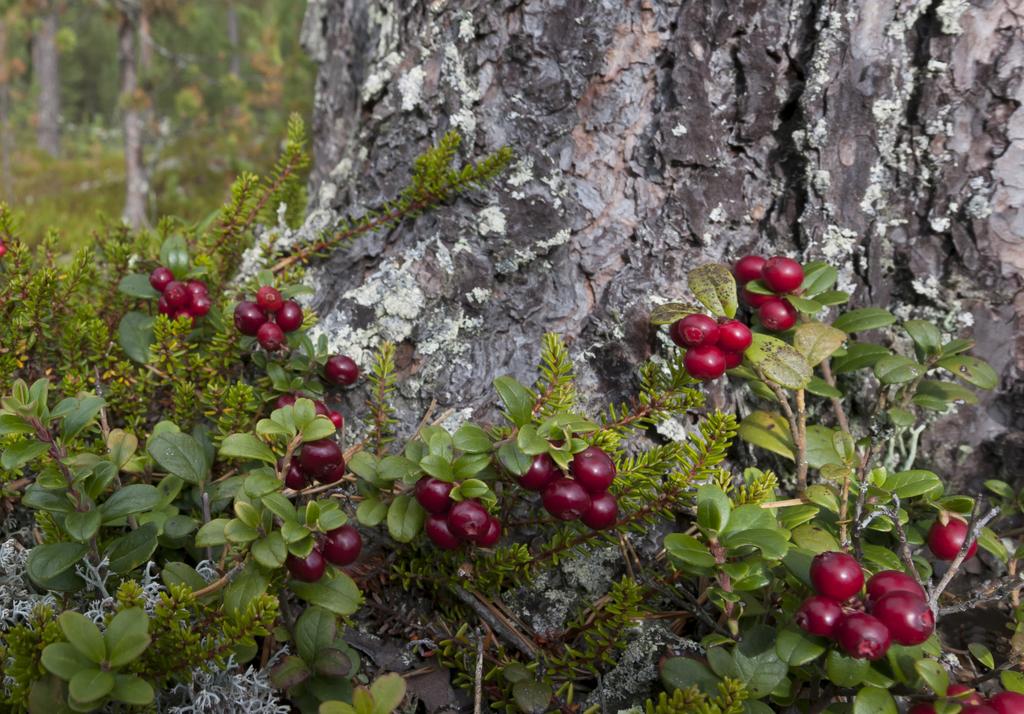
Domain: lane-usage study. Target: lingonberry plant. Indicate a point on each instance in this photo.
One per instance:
(189, 499)
(830, 596)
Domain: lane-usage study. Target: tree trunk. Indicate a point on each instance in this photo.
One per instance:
(5, 113)
(234, 39)
(883, 135)
(136, 183)
(47, 76)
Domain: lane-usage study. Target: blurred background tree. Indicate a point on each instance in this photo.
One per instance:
(141, 108)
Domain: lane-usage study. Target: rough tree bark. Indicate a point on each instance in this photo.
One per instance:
(45, 68)
(652, 135)
(136, 182)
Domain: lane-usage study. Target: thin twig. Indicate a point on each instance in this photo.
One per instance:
(219, 582)
(495, 621)
(901, 536)
(974, 527)
(862, 494)
(837, 403)
(794, 429)
(997, 593)
(478, 686)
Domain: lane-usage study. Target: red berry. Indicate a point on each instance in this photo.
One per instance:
(249, 318)
(186, 315)
(434, 495)
(1007, 703)
(907, 617)
(603, 512)
(777, 315)
(320, 458)
(887, 581)
(543, 470)
(3, 249)
(756, 300)
(200, 305)
(321, 408)
(163, 308)
(836, 575)
(566, 500)
(694, 330)
(439, 533)
(294, 478)
(593, 470)
(468, 520)
(310, 569)
(270, 336)
(269, 299)
(196, 288)
(335, 474)
(342, 545)
(862, 636)
(285, 400)
(818, 615)
(289, 316)
(177, 296)
(972, 695)
(704, 363)
(945, 540)
(733, 359)
(341, 370)
(491, 535)
(782, 275)
(922, 708)
(978, 709)
(338, 419)
(160, 278)
(734, 336)
(748, 268)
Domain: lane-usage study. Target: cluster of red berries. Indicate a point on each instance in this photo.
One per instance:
(974, 703)
(320, 461)
(712, 346)
(583, 495)
(452, 523)
(895, 610)
(783, 276)
(269, 318)
(339, 547)
(946, 539)
(178, 299)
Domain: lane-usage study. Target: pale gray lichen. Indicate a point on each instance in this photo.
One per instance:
(224, 691)
(636, 673)
(410, 87)
(491, 221)
(949, 13)
(479, 295)
(526, 256)
(679, 130)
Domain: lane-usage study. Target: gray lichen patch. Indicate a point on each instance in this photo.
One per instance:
(635, 677)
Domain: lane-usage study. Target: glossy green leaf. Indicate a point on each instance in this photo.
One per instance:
(90, 685)
(131, 690)
(82, 525)
(179, 454)
(64, 660)
(134, 549)
(684, 672)
(83, 634)
(248, 447)
(135, 335)
(715, 287)
(933, 674)
(517, 399)
(769, 431)
(670, 312)
(858, 356)
(472, 439)
(688, 550)
(863, 319)
(897, 369)
(49, 560)
(127, 636)
(335, 591)
(405, 519)
(778, 361)
(797, 648)
(134, 498)
(873, 700)
(816, 341)
(971, 370)
(713, 508)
